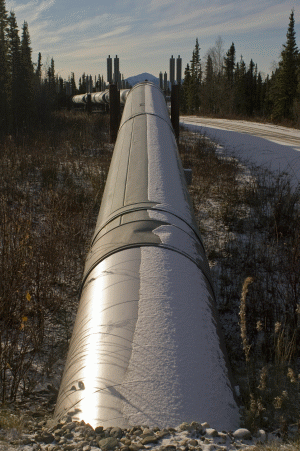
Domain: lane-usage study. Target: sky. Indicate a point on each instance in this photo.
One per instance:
(80, 34)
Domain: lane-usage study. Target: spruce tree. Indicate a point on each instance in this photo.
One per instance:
(4, 72)
(239, 87)
(196, 78)
(229, 64)
(26, 100)
(208, 96)
(286, 81)
(186, 91)
(15, 71)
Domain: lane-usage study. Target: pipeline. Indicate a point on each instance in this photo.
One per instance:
(147, 347)
(101, 98)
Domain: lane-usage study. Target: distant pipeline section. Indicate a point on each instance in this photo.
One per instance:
(101, 97)
(147, 347)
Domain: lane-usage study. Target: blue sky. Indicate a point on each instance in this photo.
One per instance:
(80, 34)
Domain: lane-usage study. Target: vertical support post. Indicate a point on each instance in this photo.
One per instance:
(89, 104)
(114, 111)
(175, 110)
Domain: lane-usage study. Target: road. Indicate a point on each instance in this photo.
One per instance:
(274, 147)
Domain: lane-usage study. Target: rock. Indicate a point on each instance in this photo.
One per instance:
(193, 442)
(210, 432)
(116, 432)
(149, 439)
(146, 433)
(44, 438)
(162, 433)
(205, 425)
(69, 426)
(261, 436)
(242, 434)
(136, 446)
(185, 427)
(108, 443)
(99, 429)
(86, 448)
(125, 441)
(69, 435)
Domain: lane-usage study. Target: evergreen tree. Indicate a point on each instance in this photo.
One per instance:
(26, 104)
(4, 71)
(286, 81)
(250, 89)
(229, 64)
(186, 91)
(239, 87)
(38, 71)
(208, 96)
(15, 71)
(196, 78)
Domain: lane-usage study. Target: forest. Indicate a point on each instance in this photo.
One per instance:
(225, 87)
(220, 86)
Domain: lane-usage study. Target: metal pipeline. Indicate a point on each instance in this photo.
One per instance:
(147, 347)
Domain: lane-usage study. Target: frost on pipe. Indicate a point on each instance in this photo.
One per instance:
(146, 346)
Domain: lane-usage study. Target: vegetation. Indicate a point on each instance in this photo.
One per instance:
(234, 89)
(51, 188)
(250, 224)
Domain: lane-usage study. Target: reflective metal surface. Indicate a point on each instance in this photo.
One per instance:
(147, 346)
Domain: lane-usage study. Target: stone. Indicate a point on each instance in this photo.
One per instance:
(149, 439)
(136, 446)
(116, 432)
(261, 436)
(69, 435)
(146, 433)
(242, 434)
(86, 448)
(193, 442)
(108, 443)
(162, 433)
(99, 429)
(210, 432)
(205, 425)
(44, 438)
(185, 427)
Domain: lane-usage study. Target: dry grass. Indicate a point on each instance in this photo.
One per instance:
(250, 223)
(52, 184)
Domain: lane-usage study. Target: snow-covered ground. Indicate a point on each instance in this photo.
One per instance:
(274, 147)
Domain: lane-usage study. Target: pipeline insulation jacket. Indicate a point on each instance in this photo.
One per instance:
(147, 347)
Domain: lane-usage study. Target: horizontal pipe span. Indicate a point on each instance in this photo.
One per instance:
(101, 97)
(147, 347)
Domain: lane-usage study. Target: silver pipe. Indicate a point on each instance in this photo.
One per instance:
(147, 347)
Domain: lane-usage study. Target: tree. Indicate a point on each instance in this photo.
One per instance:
(196, 78)
(285, 91)
(26, 104)
(208, 94)
(15, 71)
(229, 64)
(186, 91)
(239, 87)
(4, 71)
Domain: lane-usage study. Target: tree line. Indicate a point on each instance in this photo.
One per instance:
(30, 91)
(226, 87)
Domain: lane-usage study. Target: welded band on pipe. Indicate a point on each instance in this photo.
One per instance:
(147, 347)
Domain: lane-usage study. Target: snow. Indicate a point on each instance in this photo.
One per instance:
(272, 147)
(177, 370)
